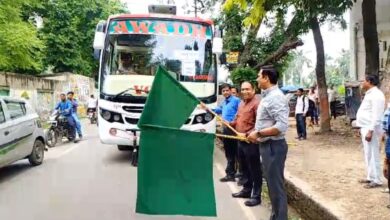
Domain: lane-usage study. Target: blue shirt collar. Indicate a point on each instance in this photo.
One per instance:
(228, 99)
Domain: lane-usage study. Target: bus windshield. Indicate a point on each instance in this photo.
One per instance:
(135, 48)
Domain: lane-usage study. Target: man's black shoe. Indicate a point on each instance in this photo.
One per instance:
(227, 179)
(253, 202)
(238, 175)
(241, 182)
(242, 194)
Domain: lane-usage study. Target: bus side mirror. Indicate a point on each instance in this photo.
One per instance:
(98, 41)
(217, 45)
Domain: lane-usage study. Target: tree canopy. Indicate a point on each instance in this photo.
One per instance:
(63, 43)
(21, 49)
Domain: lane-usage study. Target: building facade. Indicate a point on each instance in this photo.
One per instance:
(358, 58)
(43, 92)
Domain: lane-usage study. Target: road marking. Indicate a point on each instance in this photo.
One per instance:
(247, 211)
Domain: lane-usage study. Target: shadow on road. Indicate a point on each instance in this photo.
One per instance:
(6, 173)
(120, 157)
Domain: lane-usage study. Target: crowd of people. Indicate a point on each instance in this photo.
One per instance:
(263, 123)
(372, 120)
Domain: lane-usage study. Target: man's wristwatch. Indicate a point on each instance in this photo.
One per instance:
(259, 135)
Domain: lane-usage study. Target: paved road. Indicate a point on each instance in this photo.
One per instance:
(91, 181)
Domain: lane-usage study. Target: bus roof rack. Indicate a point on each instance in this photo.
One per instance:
(162, 9)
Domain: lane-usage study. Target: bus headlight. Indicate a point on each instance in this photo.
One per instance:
(208, 117)
(106, 115)
(111, 116)
(117, 117)
(199, 119)
(203, 118)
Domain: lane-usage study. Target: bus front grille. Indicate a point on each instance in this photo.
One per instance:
(133, 109)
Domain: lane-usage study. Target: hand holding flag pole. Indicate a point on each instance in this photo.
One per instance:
(239, 135)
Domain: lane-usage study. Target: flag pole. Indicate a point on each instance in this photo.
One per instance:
(238, 137)
(219, 118)
(244, 139)
(232, 137)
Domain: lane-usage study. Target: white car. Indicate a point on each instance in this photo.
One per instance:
(21, 133)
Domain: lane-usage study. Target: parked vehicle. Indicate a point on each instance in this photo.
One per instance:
(59, 129)
(21, 133)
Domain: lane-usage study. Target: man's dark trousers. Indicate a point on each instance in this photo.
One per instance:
(273, 154)
(71, 126)
(251, 168)
(230, 147)
(333, 109)
(301, 125)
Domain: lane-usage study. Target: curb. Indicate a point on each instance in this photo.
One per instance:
(307, 203)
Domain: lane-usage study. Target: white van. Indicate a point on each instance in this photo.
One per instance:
(21, 133)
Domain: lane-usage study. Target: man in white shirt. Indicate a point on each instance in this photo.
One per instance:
(368, 119)
(332, 98)
(301, 109)
(92, 104)
(313, 108)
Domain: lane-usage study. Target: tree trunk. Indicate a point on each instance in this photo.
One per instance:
(320, 74)
(252, 34)
(370, 34)
(289, 44)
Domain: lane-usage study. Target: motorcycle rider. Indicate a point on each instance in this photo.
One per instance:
(74, 113)
(92, 105)
(65, 108)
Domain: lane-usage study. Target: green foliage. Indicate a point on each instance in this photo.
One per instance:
(341, 90)
(20, 48)
(69, 30)
(231, 23)
(242, 74)
(337, 69)
(255, 9)
(65, 41)
(294, 70)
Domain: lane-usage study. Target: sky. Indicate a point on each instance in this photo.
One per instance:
(335, 39)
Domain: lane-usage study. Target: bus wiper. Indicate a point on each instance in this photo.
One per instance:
(129, 89)
(123, 92)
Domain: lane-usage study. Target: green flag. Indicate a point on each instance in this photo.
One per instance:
(175, 169)
(175, 173)
(169, 104)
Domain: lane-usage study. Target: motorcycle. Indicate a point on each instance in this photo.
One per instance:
(92, 116)
(59, 128)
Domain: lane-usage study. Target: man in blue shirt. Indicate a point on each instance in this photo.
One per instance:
(75, 104)
(228, 110)
(65, 108)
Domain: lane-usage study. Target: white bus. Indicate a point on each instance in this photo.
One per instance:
(131, 48)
